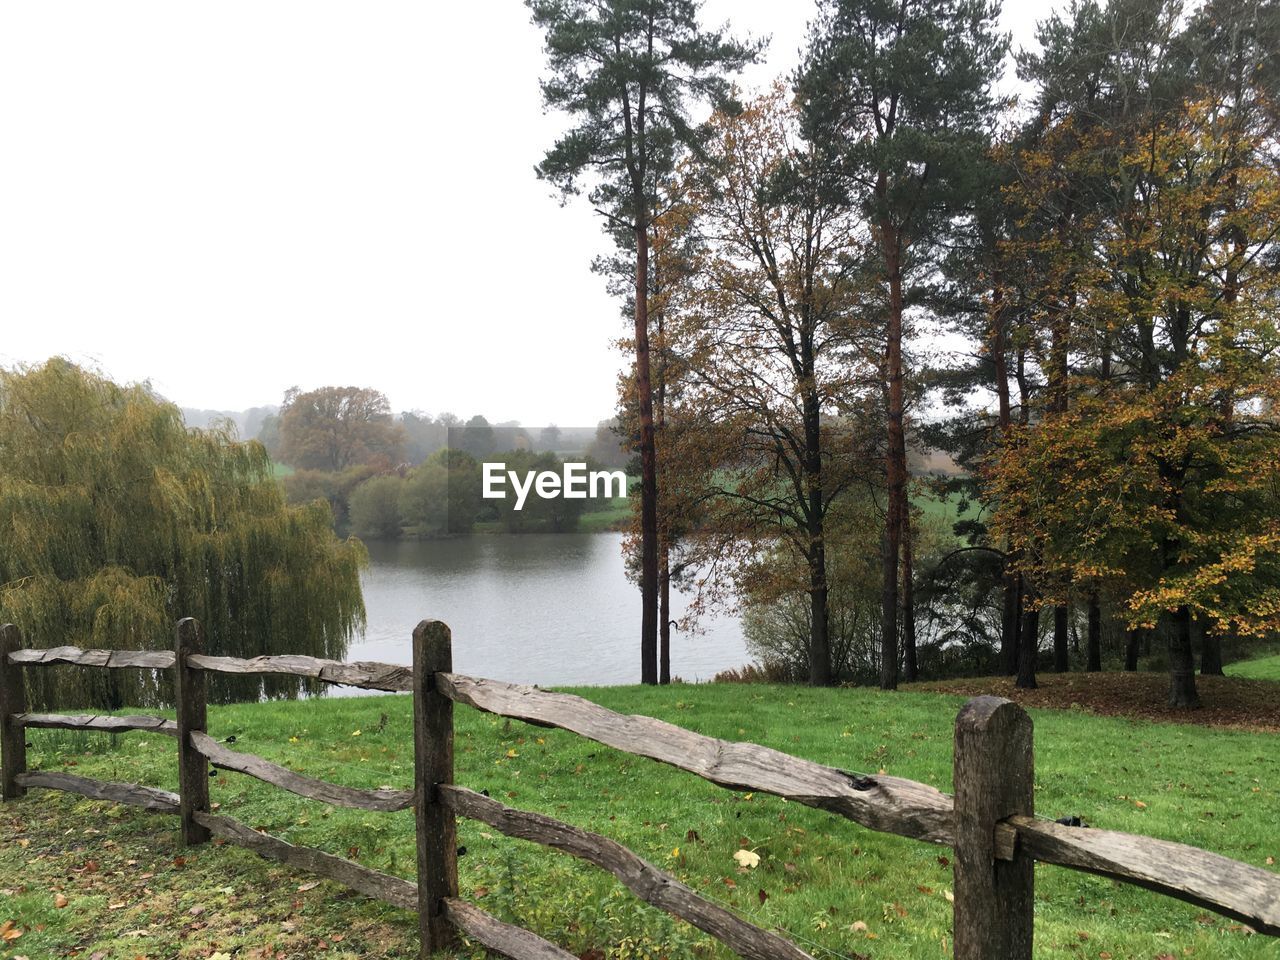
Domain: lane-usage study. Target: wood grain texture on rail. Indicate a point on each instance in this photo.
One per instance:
(514, 942)
(385, 801)
(1237, 890)
(135, 795)
(146, 659)
(372, 883)
(90, 721)
(642, 878)
(887, 804)
(366, 674)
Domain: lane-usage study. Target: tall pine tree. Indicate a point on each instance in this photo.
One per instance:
(627, 72)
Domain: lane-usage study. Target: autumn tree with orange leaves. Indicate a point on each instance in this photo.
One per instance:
(1161, 483)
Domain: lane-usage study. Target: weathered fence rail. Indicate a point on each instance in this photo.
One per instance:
(990, 821)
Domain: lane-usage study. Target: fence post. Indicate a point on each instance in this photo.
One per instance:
(13, 699)
(190, 701)
(433, 764)
(994, 779)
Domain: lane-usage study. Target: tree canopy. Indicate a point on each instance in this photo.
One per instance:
(121, 521)
(334, 428)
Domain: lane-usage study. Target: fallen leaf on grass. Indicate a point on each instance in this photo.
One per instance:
(311, 885)
(60, 901)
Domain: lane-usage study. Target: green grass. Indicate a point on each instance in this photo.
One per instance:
(944, 509)
(1264, 668)
(819, 875)
(615, 515)
(281, 470)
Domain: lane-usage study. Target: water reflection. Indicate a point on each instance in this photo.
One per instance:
(550, 609)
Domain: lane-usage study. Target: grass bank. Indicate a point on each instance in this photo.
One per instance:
(1264, 668)
(841, 891)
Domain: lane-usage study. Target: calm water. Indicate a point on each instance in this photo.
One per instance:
(548, 609)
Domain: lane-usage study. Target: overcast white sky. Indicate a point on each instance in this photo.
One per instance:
(230, 199)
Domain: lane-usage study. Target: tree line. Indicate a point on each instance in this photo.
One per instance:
(1102, 251)
(412, 475)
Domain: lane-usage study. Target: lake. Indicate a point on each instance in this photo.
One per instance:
(546, 609)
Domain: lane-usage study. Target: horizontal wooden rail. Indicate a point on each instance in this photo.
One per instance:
(1237, 890)
(372, 883)
(367, 674)
(646, 881)
(146, 659)
(887, 804)
(488, 930)
(514, 942)
(385, 801)
(135, 795)
(99, 722)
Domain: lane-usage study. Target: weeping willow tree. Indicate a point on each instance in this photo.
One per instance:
(118, 520)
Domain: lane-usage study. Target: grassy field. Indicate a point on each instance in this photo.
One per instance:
(839, 890)
(1264, 668)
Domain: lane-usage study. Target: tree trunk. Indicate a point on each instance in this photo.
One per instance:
(1095, 635)
(895, 463)
(1010, 621)
(1182, 664)
(1210, 649)
(910, 669)
(1028, 643)
(1011, 608)
(820, 672)
(1132, 640)
(648, 462)
(664, 616)
(1061, 655)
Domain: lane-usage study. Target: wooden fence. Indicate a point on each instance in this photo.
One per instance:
(989, 822)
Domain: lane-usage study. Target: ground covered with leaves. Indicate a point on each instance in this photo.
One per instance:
(84, 879)
(1232, 702)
